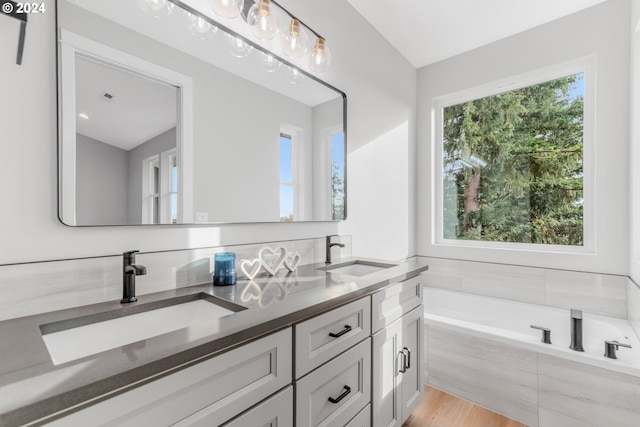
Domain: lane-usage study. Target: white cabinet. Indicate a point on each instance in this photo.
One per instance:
(397, 371)
(394, 302)
(336, 392)
(207, 393)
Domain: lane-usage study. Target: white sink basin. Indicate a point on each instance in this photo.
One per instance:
(357, 268)
(71, 344)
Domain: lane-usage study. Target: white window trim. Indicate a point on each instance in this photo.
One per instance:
(163, 160)
(72, 44)
(584, 65)
(297, 158)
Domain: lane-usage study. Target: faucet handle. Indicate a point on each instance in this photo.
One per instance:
(610, 348)
(546, 333)
(129, 253)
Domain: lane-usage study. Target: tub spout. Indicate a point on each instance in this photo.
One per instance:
(576, 330)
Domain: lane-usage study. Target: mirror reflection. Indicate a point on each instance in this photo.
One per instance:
(160, 124)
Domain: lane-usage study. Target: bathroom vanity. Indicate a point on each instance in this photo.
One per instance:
(310, 340)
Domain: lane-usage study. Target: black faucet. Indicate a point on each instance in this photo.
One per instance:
(610, 348)
(129, 272)
(331, 244)
(576, 330)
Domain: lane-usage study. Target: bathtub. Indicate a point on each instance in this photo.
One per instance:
(509, 322)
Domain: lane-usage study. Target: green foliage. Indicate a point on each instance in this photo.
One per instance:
(527, 148)
(337, 192)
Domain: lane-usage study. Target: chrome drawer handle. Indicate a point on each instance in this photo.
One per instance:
(346, 329)
(344, 394)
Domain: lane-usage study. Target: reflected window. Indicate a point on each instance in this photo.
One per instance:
(287, 186)
(337, 175)
(160, 188)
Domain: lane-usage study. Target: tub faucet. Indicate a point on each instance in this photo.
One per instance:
(576, 330)
(129, 272)
(610, 348)
(331, 244)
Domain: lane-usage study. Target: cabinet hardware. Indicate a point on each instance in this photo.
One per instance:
(408, 357)
(404, 361)
(344, 394)
(346, 329)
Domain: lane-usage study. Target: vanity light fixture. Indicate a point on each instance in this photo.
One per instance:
(227, 8)
(320, 57)
(263, 20)
(294, 39)
(157, 8)
(238, 47)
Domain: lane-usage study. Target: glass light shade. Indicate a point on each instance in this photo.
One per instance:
(237, 46)
(157, 8)
(294, 39)
(270, 63)
(226, 8)
(295, 76)
(200, 27)
(263, 20)
(320, 57)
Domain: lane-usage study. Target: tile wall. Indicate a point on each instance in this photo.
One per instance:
(603, 294)
(39, 287)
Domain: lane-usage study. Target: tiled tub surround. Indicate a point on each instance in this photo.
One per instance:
(32, 387)
(603, 294)
(478, 348)
(42, 287)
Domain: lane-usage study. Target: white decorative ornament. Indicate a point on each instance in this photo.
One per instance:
(291, 261)
(250, 267)
(272, 259)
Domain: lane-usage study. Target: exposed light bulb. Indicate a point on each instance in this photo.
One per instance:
(270, 63)
(263, 20)
(200, 28)
(156, 8)
(227, 8)
(237, 46)
(295, 76)
(294, 40)
(320, 57)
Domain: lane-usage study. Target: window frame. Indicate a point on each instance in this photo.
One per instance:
(584, 65)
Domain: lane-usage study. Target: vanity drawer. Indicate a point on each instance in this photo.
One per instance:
(394, 302)
(363, 419)
(277, 411)
(325, 336)
(346, 380)
(216, 389)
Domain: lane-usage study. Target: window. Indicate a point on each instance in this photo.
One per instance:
(287, 199)
(337, 175)
(512, 166)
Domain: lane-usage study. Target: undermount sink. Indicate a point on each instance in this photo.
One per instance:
(76, 338)
(357, 267)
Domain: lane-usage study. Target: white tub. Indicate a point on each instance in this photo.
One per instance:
(509, 322)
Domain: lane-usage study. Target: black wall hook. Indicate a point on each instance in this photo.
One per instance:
(10, 8)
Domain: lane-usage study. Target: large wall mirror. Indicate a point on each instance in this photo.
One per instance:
(168, 120)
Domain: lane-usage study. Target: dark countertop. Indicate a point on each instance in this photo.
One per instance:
(32, 387)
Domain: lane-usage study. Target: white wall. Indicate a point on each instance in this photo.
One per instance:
(379, 83)
(602, 30)
(634, 157)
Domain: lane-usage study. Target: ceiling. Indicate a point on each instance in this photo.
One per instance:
(428, 31)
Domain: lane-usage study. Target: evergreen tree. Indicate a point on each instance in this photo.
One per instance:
(513, 166)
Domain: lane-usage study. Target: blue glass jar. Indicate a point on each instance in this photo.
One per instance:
(224, 272)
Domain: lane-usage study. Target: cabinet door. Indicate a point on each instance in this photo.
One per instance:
(412, 386)
(276, 411)
(387, 361)
(397, 369)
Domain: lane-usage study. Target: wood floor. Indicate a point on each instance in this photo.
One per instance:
(439, 409)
